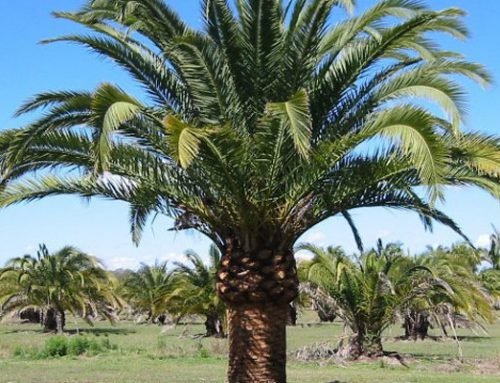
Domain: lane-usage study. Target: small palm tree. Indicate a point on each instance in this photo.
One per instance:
(255, 129)
(195, 292)
(147, 290)
(67, 280)
(465, 295)
(370, 295)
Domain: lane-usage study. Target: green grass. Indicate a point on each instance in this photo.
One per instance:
(146, 354)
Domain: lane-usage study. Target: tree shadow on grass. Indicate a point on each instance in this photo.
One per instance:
(93, 331)
(101, 331)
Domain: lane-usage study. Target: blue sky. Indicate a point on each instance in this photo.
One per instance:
(101, 227)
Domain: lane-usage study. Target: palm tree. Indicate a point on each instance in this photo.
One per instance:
(67, 280)
(493, 255)
(195, 292)
(255, 129)
(463, 295)
(365, 295)
(147, 290)
(385, 285)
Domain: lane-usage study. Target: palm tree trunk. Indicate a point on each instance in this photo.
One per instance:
(360, 345)
(60, 321)
(48, 320)
(214, 326)
(292, 315)
(257, 288)
(257, 343)
(416, 325)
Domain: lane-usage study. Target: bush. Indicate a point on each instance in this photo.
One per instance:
(55, 346)
(58, 346)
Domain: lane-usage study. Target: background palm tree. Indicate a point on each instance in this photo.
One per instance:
(67, 280)
(195, 292)
(255, 129)
(147, 290)
(493, 253)
(386, 285)
(365, 294)
(463, 297)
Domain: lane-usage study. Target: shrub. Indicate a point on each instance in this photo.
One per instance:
(58, 346)
(55, 346)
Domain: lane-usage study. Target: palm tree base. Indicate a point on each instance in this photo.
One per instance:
(358, 346)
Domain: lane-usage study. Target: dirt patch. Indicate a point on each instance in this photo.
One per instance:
(486, 366)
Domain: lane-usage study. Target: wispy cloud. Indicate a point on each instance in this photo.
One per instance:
(483, 240)
(134, 262)
(317, 237)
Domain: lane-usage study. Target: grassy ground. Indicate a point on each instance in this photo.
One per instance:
(148, 353)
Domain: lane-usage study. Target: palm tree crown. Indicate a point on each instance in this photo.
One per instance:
(195, 291)
(147, 289)
(255, 124)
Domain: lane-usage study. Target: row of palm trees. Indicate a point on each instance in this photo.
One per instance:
(186, 289)
(51, 284)
(385, 286)
(368, 293)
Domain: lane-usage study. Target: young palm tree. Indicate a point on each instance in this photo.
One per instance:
(255, 129)
(365, 295)
(466, 295)
(67, 280)
(385, 285)
(195, 291)
(147, 290)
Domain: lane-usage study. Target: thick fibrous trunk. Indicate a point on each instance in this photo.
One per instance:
(48, 320)
(416, 325)
(257, 288)
(257, 343)
(214, 326)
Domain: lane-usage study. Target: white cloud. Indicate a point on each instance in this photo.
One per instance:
(303, 255)
(122, 263)
(134, 262)
(317, 237)
(483, 240)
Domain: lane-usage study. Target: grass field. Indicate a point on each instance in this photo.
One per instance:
(148, 353)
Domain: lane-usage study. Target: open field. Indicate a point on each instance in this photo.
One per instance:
(146, 353)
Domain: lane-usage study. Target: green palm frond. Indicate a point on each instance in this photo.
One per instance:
(271, 118)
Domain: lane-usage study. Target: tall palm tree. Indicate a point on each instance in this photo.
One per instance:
(67, 280)
(256, 128)
(195, 291)
(147, 289)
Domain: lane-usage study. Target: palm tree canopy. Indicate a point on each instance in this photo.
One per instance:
(270, 119)
(148, 289)
(65, 280)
